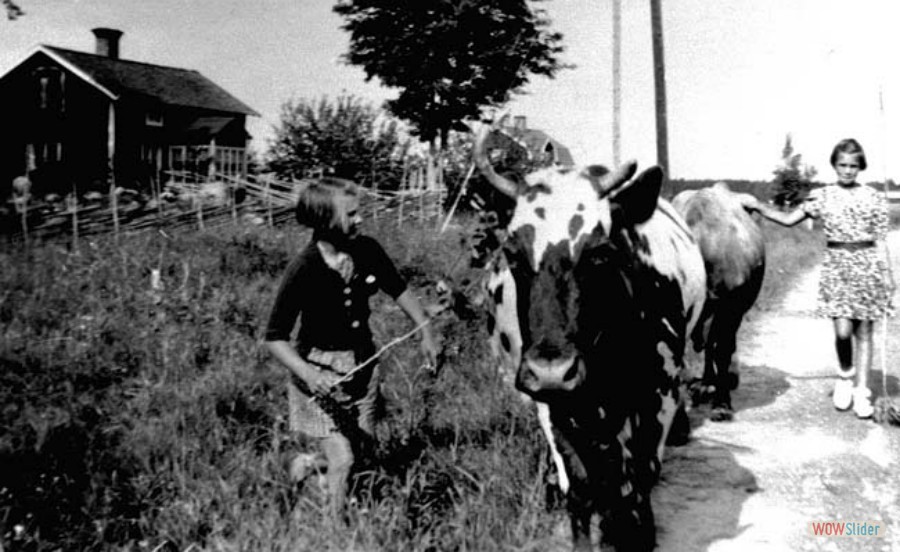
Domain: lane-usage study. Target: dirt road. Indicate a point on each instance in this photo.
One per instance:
(788, 459)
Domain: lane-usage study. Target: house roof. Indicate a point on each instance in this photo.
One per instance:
(537, 140)
(169, 85)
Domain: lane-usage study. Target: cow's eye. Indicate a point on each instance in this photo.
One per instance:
(597, 254)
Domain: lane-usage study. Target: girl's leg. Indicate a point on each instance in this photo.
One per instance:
(843, 342)
(339, 455)
(862, 395)
(842, 397)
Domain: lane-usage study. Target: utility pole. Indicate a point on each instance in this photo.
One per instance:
(617, 81)
(659, 81)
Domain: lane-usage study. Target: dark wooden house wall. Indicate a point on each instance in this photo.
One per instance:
(73, 124)
(68, 130)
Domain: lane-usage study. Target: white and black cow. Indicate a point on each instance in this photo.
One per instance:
(734, 255)
(596, 291)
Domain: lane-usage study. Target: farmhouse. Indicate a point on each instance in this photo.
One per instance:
(536, 145)
(76, 119)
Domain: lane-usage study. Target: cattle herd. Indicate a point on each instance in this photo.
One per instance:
(596, 287)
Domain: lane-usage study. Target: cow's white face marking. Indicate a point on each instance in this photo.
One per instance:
(566, 207)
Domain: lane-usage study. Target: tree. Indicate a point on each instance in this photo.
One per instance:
(345, 138)
(793, 178)
(449, 58)
(13, 11)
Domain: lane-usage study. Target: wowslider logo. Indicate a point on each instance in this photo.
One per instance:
(872, 529)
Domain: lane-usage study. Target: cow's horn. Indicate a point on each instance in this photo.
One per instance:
(480, 157)
(618, 176)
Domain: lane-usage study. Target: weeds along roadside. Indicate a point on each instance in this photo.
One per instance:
(133, 415)
(138, 416)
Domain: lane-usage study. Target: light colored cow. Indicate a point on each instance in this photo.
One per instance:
(734, 255)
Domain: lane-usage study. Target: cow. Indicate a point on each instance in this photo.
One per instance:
(734, 255)
(597, 286)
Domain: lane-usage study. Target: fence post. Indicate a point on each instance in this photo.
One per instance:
(199, 205)
(421, 190)
(441, 191)
(72, 201)
(400, 197)
(24, 211)
(232, 188)
(157, 196)
(268, 197)
(114, 206)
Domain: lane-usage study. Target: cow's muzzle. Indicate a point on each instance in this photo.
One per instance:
(546, 377)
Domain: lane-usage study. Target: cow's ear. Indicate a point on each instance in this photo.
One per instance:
(637, 200)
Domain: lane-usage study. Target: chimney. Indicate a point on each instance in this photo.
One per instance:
(107, 42)
(519, 123)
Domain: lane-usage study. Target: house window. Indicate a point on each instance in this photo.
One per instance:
(50, 89)
(154, 118)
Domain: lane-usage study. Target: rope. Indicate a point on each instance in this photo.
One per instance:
(381, 351)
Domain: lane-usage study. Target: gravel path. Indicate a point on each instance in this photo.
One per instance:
(788, 459)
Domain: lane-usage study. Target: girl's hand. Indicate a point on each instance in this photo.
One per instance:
(321, 383)
(431, 349)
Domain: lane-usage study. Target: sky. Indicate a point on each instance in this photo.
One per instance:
(740, 74)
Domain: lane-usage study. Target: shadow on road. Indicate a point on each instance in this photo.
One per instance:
(700, 496)
(876, 383)
(759, 386)
(703, 488)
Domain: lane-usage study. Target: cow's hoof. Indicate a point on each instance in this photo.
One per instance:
(722, 414)
(680, 432)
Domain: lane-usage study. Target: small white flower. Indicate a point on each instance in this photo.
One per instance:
(19, 530)
(370, 279)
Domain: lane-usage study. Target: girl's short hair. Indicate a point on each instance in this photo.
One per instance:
(851, 147)
(317, 206)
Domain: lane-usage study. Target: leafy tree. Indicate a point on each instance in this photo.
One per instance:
(793, 178)
(13, 11)
(449, 58)
(345, 138)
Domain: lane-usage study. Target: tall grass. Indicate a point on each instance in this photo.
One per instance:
(135, 418)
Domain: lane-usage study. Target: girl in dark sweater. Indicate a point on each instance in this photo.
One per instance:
(334, 380)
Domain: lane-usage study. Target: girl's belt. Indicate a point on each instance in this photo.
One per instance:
(851, 246)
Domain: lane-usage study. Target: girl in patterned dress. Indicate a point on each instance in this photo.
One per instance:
(334, 379)
(856, 286)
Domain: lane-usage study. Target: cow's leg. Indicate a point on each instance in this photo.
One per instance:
(580, 518)
(580, 498)
(702, 338)
(726, 328)
(543, 414)
(630, 525)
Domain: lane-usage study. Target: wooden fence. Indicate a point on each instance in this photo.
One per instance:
(189, 201)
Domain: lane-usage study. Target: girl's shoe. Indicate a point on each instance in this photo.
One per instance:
(842, 397)
(862, 402)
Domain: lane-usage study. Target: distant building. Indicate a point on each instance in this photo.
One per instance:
(70, 117)
(536, 147)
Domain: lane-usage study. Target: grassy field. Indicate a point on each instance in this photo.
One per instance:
(144, 419)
